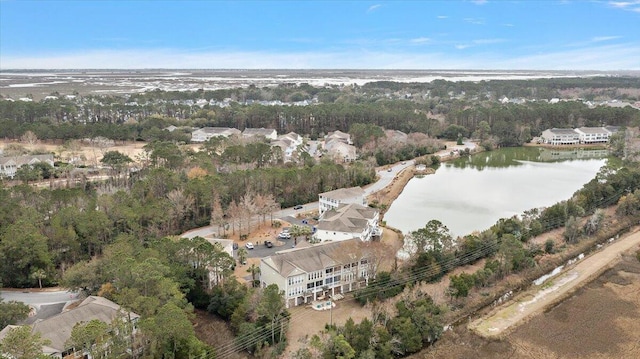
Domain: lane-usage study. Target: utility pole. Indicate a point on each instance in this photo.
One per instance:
(330, 313)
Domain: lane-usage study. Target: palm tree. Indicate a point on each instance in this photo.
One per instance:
(39, 274)
(254, 270)
(242, 255)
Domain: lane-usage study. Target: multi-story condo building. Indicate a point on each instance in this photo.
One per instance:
(314, 273)
(333, 199)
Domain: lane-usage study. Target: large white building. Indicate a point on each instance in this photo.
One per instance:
(333, 199)
(313, 273)
(346, 222)
(268, 133)
(560, 136)
(593, 135)
(206, 133)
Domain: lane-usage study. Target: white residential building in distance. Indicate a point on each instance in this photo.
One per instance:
(10, 164)
(268, 133)
(338, 136)
(288, 144)
(206, 133)
(346, 222)
(333, 199)
(560, 136)
(312, 273)
(593, 135)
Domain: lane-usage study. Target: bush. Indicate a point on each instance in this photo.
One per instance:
(548, 246)
(638, 255)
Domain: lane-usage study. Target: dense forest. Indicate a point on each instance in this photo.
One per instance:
(429, 108)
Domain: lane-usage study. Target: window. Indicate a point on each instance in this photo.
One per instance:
(329, 270)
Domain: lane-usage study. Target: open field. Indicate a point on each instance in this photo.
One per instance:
(598, 318)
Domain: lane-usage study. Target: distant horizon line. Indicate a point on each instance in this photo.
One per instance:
(306, 69)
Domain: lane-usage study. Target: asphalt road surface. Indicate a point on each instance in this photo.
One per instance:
(37, 299)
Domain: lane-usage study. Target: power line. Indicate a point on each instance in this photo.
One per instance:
(227, 350)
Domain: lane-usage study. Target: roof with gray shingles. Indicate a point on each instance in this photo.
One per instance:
(344, 193)
(315, 258)
(591, 130)
(563, 131)
(350, 218)
(26, 159)
(58, 328)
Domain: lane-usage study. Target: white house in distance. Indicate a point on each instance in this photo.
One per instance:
(338, 145)
(333, 199)
(311, 273)
(10, 164)
(346, 222)
(268, 133)
(288, 144)
(338, 136)
(560, 136)
(206, 133)
(58, 328)
(593, 134)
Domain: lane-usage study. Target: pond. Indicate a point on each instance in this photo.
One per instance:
(473, 193)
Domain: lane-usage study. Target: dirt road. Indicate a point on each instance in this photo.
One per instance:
(499, 322)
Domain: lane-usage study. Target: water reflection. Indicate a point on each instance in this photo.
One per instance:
(473, 193)
(513, 156)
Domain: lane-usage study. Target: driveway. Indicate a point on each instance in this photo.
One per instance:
(36, 299)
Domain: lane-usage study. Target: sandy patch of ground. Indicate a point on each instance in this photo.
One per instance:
(534, 301)
(599, 320)
(305, 321)
(90, 155)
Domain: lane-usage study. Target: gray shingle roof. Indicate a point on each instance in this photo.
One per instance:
(563, 131)
(350, 218)
(315, 258)
(58, 328)
(344, 193)
(596, 130)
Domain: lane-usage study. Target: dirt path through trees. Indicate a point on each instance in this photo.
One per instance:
(505, 318)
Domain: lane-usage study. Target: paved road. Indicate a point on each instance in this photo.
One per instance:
(384, 179)
(37, 299)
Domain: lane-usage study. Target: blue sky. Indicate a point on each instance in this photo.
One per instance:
(539, 35)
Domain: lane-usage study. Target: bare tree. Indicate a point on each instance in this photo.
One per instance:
(29, 138)
(217, 215)
(249, 207)
(181, 204)
(234, 214)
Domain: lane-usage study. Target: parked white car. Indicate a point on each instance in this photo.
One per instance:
(249, 245)
(284, 235)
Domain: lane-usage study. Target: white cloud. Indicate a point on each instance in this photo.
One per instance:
(479, 2)
(624, 4)
(488, 41)
(604, 38)
(508, 25)
(374, 7)
(420, 40)
(604, 57)
(474, 20)
(442, 17)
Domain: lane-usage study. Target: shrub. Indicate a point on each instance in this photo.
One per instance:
(548, 246)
